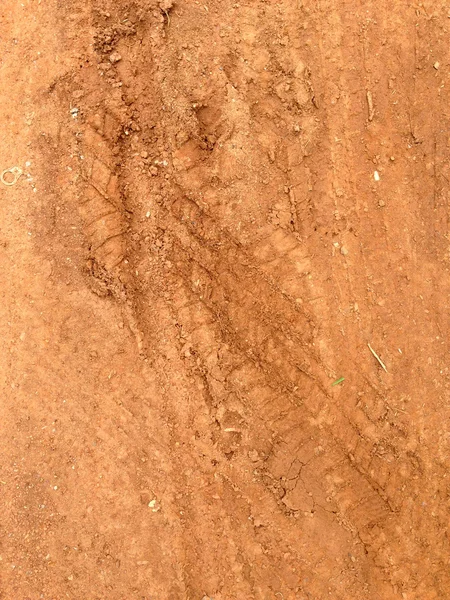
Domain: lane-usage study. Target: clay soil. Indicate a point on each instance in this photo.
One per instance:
(222, 205)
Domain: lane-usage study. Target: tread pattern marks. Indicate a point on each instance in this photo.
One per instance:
(274, 353)
(101, 204)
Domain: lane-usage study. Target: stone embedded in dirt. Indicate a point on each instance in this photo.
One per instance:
(253, 455)
(166, 5)
(97, 122)
(115, 57)
(344, 251)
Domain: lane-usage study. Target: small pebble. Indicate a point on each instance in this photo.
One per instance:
(376, 176)
(436, 65)
(114, 58)
(344, 251)
(253, 455)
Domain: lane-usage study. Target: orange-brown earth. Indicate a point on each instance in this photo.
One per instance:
(222, 204)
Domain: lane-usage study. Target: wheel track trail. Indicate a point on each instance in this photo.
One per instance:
(316, 458)
(262, 358)
(231, 256)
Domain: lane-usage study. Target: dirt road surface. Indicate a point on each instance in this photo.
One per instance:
(221, 205)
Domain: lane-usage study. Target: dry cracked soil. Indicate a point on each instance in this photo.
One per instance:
(223, 208)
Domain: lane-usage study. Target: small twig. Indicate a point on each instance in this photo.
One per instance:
(377, 357)
(370, 105)
(395, 409)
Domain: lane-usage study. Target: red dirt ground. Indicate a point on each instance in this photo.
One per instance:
(222, 204)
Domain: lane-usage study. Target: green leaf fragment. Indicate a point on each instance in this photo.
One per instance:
(338, 381)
